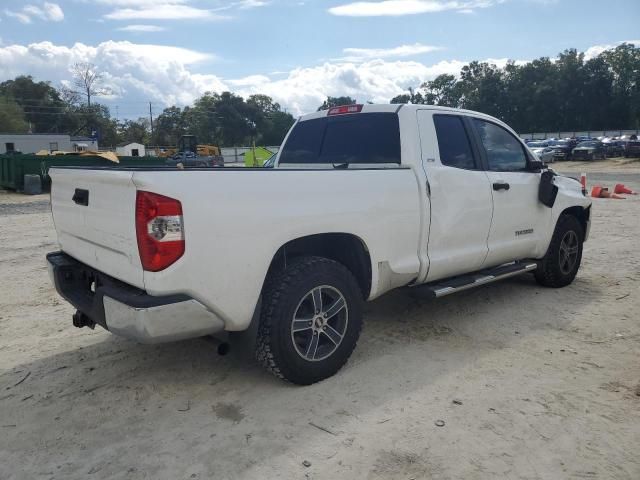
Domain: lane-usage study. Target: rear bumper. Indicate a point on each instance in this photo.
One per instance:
(128, 311)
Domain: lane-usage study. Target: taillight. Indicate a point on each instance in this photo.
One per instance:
(341, 110)
(160, 230)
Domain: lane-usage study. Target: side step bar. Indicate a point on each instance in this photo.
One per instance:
(441, 288)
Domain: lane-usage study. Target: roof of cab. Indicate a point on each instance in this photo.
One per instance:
(397, 107)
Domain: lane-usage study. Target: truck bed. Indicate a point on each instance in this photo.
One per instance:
(235, 220)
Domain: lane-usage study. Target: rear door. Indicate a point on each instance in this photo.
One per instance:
(519, 219)
(460, 195)
(94, 216)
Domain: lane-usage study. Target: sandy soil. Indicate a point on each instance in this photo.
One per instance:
(610, 165)
(526, 382)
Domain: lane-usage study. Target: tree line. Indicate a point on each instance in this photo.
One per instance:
(225, 119)
(569, 93)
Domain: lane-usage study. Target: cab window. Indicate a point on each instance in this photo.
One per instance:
(453, 142)
(504, 152)
(358, 138)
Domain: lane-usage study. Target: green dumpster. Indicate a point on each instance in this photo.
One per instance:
(13, 168)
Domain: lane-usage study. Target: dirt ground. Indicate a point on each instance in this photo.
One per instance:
(508, 381)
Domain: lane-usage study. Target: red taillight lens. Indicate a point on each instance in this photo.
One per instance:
(341, 110)
(159, 229)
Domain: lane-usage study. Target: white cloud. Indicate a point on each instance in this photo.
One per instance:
(163, 11)
(395, 8)
(21, 17)
(47, 12)
(596, 50)
(134, 72)
(137, 3)
(53, 11)
(139, 73)
(303, 89)
(246, 4)
(359, 54)
(253, 81)
(142, 28)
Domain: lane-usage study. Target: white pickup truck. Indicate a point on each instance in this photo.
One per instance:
(361, 200)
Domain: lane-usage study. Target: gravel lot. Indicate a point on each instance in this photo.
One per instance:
(526, 382)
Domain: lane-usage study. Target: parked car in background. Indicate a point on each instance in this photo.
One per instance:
(562, 149)
(542, 150)
(589, 150)
(614, 148)
(632, 148)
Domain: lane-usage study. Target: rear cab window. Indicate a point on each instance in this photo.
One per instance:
(361, 138)
(453, 142)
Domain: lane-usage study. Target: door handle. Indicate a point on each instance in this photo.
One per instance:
(500, 186)
(81, 197)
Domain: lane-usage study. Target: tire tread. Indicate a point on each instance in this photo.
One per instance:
(275, 287)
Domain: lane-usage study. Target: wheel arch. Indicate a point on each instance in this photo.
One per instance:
(580, 213)
(345, 248)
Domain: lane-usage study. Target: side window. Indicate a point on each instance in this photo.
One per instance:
(453, 143)
(504, 151)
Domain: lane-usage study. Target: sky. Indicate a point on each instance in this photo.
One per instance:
(297, 51)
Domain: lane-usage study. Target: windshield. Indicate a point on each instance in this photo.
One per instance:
(559, 143)
(538, 144)
(588, 144)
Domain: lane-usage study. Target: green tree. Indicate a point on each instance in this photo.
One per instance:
(12, 119)
(336, 102)
(41, 103)
(276, 128)
(443, 90)
(624, 64)
(134, 131)
(169, 126)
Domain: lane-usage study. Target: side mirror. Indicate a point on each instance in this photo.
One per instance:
(535, 165)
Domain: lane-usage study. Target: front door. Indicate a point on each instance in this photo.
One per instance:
(519, 219)
(460, 196)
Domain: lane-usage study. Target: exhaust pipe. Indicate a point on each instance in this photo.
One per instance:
(222, 346)
(81, 320)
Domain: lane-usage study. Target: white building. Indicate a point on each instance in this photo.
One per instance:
(130, 150)
(81, 144)
(34, 142)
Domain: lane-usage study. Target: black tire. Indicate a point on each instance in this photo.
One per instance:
(284, 295)
(555, 270)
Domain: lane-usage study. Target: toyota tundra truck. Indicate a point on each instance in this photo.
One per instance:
(361, 199)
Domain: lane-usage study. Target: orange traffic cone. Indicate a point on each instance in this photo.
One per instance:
(596, 191)
(583, 182)
(620, 188)
(603, 192)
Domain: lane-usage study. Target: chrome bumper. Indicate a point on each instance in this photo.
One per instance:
(127, 311)
(163, 323)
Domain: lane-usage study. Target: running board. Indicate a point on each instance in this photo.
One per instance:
(441, 288)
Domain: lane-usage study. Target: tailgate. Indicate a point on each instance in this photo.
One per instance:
(94, 216)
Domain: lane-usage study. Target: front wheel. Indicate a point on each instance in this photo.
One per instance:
(560, 264)
(310, 321)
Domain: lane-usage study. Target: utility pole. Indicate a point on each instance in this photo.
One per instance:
(151, 122)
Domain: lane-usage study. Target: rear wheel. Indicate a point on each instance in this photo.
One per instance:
(310, 321)
(560, 264)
